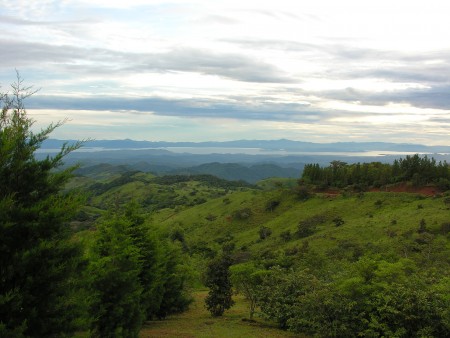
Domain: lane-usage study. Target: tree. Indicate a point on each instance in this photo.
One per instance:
(246, 278)
(175, 298)
(133, 276)
(38, 262)
(217, 279)
(115, 286)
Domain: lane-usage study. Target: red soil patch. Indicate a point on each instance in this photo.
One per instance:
(403, 187)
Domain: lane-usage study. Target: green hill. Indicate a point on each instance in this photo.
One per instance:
(336, 242)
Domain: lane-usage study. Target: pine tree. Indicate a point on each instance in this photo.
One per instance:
(38, 262)
(115, 287)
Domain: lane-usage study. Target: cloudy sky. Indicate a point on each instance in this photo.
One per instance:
(310, 70)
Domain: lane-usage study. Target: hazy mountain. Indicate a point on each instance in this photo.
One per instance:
(283, 144)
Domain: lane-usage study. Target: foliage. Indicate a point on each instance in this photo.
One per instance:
(278, 292)
(209, 180)
(246, 278)
(308, 226)
(175, 296)
(372, 298)
(286, 235)
(419, 170)
(38, 261)
(115, 286)
(272, 204)
(264, 232)
(99, 188)
(217, 279)
(302, 192)
(338, 221)
(132, 276)
(242, 214)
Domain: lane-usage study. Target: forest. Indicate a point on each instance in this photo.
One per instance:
(418, 170)
(112, 254)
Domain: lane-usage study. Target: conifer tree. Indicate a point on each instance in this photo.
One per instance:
(38, 263)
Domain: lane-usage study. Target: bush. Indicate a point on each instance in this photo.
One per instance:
(271, 205)
(338, 221)
(242, 214)
(303, 193)
(264, 232)
(286, 236)
(445, 228)
(308, 226)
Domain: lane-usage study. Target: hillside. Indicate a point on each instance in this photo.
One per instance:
(235, 172)
(250, 173)
(375, 219)
(403, 231)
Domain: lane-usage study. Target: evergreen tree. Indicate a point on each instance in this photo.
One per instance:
(38, 263)
(116, 309)
(133, 276)
(175, 298)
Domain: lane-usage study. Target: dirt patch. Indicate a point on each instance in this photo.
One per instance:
(404, 187)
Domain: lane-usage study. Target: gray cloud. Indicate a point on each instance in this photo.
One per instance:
(183, 108)
(437, 97)
(352, 62)
(233, 66)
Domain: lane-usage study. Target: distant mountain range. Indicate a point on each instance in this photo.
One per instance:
(246, 160)
(274, 145)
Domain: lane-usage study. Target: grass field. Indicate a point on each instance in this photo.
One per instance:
(198, 323)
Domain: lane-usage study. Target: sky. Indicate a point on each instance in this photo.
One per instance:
(212, 70)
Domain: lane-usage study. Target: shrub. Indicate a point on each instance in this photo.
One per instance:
(286, 235)
(308, 226)
(242, 214)
(445, 228)
(271, 205)
(264, 232)
(338, 221)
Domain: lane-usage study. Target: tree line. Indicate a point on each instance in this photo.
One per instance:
(419, 170)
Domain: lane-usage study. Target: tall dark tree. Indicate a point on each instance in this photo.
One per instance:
(134, 276)
(38, 263)
(218, 281)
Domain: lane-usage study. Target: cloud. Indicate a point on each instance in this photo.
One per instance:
(4, 19)
(216, 19)
(230, 65)
(183, 108)
(436, 97)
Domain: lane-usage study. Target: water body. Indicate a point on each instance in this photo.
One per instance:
(245, 151)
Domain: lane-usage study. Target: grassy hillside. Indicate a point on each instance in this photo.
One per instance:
(335, 237)
(376, 219)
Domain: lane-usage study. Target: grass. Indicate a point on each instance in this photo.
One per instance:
(378, 223)
(368, 219)
(197, 322)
